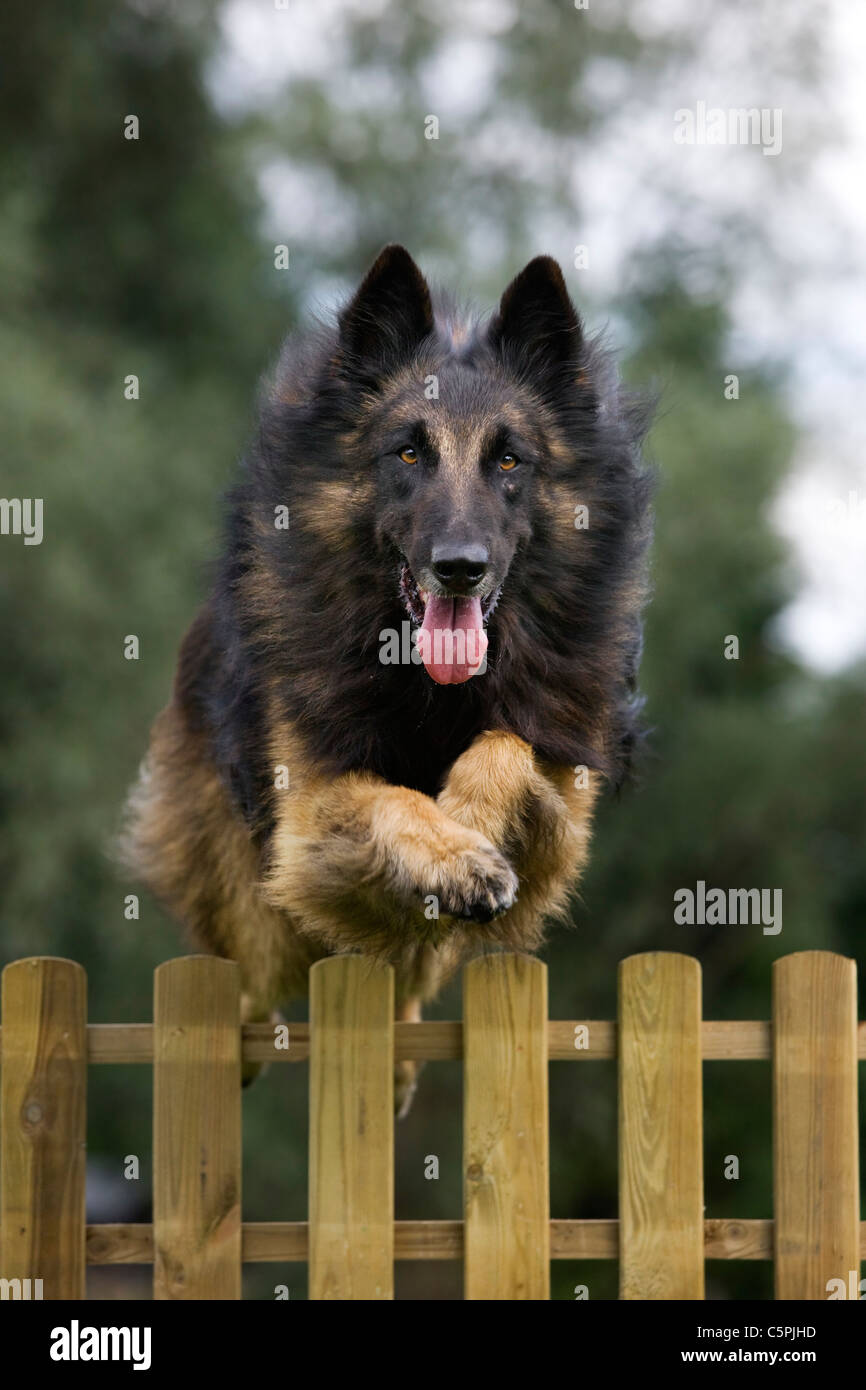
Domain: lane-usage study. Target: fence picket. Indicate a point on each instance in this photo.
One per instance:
(505, 1129)
(197, 1129)
(351, 1228)
(197, 1242)
(43, 1126)
(816, 1164)
(661, 1202)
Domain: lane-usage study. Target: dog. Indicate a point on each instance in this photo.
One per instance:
(416, 669)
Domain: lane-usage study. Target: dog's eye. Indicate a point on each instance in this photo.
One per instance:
(507, 462)
(409, 455)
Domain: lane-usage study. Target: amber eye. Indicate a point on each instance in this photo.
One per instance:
(409, 455)
(507, 462)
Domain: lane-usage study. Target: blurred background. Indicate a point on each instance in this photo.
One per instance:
(263, 124)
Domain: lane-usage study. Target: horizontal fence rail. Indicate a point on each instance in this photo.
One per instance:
(197, 1046)
(287, 1242)
(724, 1040)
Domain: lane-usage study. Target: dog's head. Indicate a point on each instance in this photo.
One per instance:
(458, 423)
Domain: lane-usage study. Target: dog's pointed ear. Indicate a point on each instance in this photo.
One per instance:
(536, 318)
(389, 314)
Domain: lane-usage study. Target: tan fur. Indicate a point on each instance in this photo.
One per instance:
(329, 513)
(356, 862)
(358, 865)
(186, 842)
(559, 504)
(535, 815)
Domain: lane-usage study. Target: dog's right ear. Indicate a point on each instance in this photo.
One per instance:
(389, 315)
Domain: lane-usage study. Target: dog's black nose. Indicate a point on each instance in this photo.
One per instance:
(459, 567)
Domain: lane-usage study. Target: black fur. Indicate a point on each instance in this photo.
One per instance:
(565, 636)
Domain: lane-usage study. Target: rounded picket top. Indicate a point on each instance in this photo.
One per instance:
(661, 1187)
(197, 1129)
(43, 1117)
(816, 1184)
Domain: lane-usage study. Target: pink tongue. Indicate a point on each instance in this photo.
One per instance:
(452, 640)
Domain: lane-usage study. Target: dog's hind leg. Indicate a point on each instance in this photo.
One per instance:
(253, 1012)
(407, 1070)
(419, 978)
(270, 977)
(186, 841)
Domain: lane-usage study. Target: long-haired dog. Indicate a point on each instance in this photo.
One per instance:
(392, 717)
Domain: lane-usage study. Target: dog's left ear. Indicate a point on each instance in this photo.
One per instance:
(536, 318)
(389, 314)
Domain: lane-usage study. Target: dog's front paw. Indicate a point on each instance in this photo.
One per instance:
(477, 885)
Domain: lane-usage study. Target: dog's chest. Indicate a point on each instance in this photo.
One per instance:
(418, 750)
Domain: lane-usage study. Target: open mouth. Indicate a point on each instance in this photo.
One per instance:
(452, 642)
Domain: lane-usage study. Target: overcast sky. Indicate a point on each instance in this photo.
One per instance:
(810, 312)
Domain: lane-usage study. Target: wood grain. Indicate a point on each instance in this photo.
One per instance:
(197, 1242)
(505, 1129)
(727, 1039)
(815, 1153)
(660, 1128)
(351, 1129)
(277, 1242)
(197, 1130)
(43, 1125)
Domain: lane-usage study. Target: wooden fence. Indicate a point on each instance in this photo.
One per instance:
(198, 1241)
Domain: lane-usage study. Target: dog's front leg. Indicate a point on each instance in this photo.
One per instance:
(362, 865)
(539, 815)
